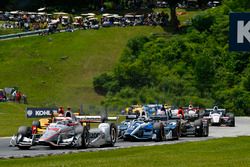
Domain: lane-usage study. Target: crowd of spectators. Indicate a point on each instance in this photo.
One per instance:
(41, 20)
(13, 95)
(30, 21)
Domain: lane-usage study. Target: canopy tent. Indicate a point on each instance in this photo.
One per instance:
(106, 14)
(41, 13)
(41, 9)
(78, 17)
(14, 12)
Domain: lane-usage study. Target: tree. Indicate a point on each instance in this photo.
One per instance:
(174, 20)
(204, 73)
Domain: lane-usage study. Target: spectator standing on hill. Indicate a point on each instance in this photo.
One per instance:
(18, 96)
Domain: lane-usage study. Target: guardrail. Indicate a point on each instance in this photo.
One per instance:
(22, 34)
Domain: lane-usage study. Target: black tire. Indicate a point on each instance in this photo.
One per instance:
(206, 131)
(177, 132)
(232, 124)
(85, 137)
(159, 129)
(23, 131)
(113, 135)
(198, 131)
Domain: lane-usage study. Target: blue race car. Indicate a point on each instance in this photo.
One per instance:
(156, 128)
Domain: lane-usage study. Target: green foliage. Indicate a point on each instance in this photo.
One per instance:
(204, 73)
(203, 22)
(196, 67)
(237, 5)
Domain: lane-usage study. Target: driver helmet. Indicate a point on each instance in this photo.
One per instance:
(190, 107)
(215, 108)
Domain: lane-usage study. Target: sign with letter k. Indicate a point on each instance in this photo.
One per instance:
(239, 39)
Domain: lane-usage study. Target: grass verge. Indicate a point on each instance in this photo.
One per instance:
(218, 152)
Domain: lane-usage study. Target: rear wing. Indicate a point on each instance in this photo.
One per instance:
(94, 119)
(40, 112)
(207, 111)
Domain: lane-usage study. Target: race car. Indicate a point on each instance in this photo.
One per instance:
(134, 110)
(219, 117)
(192, 124)
(38, 127)
(156, 128)
(198, 128)
(71, 131)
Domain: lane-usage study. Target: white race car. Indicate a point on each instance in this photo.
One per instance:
(218, 117)
(69, 132)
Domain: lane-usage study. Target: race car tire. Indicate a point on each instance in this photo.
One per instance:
(198, 131)
(232, 119)
(23, 131)
(232, 124)
(113, 135)
(159, 129)
(206, 131)
(85, 137)
(36, 123)
(177, 132)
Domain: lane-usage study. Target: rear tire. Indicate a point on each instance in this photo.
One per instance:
(177, 133)
(206, 131)
(113, 135)
(198, 131)
(85, 137)
(160, 134)
(232, 118)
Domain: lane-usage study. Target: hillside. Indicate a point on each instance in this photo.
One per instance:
(58, 69)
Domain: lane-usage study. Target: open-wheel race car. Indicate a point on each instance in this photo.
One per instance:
(217, 116)
(156, 128)
(192, 124)
(68, 131)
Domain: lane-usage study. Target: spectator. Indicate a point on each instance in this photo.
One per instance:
(18, 96)
(61, 111)
(25, 101)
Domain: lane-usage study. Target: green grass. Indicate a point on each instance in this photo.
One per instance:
(59, 69)
(9, 31)
(219, 152)
(11, 117)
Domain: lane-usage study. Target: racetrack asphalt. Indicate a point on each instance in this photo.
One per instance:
(241, 129)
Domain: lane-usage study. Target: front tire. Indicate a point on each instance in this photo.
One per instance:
(23, 131)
